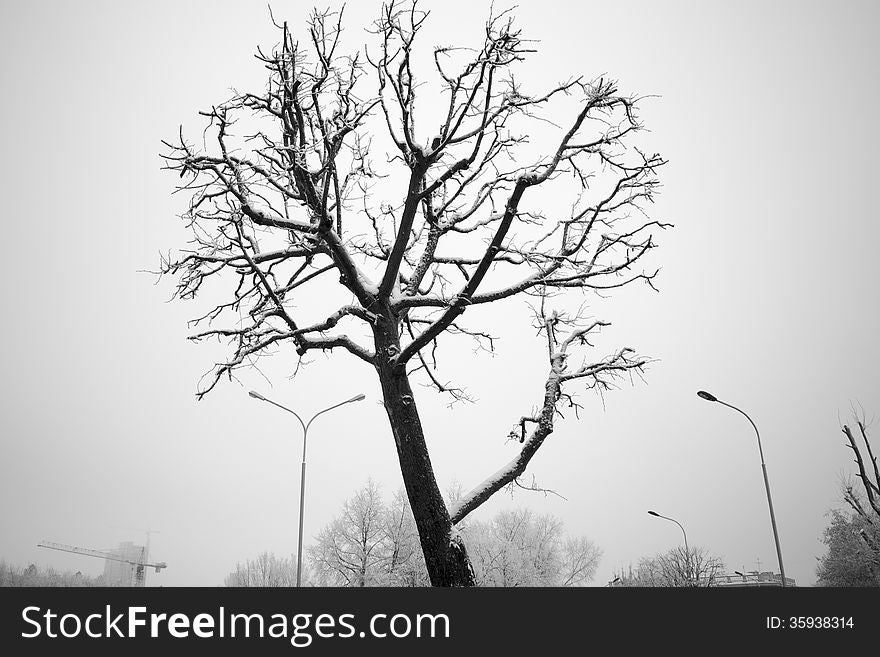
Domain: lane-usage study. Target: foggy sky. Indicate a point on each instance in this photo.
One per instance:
(766, 113)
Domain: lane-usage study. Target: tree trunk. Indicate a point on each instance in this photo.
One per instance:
(445, 556)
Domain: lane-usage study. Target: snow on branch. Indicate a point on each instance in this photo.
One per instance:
(564, 368)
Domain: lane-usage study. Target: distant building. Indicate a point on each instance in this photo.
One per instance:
(752, 579)
(736, 580)
(121, 573)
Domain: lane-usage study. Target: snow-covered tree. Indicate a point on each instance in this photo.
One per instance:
(266, 570)
(372, 544)
(323, 181)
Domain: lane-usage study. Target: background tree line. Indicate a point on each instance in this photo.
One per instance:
(372, 543)
(375, 543)
(679, 567)
(32, 575)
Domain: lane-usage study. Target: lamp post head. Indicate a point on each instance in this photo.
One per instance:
(257, 395)
(357, 398)
(708, 396)
(653, 513)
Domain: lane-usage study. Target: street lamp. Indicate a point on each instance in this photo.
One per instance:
(687, 551)
(712, 398)
(302, 489)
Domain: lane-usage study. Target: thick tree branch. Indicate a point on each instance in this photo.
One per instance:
(598, 375)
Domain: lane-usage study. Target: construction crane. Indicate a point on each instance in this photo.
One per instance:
(140, 564)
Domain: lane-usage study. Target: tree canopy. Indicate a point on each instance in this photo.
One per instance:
(406, 190)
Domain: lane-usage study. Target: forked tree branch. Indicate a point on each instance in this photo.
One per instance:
(871, 486)
(599, 375)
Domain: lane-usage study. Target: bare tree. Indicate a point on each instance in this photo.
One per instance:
(869, 476)
(373, 544)
(678, 567)
(286, 194)
(359, 548)
(267, 570)
(580, 560)
(517, 548)
(370, 544)
(16, 576)
(853, 540)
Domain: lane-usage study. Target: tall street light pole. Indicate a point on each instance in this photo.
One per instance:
(302, 487)
(712, 398)
(687, 551)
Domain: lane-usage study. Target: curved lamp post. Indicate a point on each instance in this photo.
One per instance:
(302, 489)
(712, 398)
(687, 551)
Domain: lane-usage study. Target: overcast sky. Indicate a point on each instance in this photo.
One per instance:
(767, 115)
